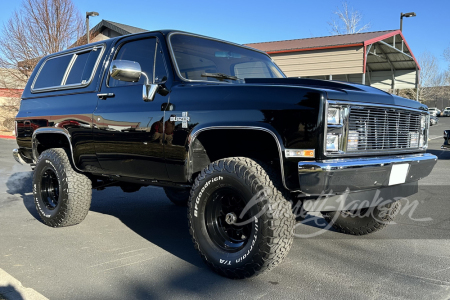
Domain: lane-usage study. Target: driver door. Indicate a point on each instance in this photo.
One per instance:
(127, 129)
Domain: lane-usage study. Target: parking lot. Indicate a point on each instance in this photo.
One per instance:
(137, 246)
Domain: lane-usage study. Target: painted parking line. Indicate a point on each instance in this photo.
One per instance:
(12, 289)
(433, 137)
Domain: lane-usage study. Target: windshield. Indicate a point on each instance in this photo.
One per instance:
(210, 60)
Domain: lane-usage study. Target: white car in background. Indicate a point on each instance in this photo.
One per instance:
(434, 111)
(446, 112)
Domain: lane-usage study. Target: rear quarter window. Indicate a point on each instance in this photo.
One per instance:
(68, 70)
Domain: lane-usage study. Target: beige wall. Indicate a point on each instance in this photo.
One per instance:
(404, 79)
(321, 62)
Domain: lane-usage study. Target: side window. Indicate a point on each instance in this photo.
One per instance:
(69, 69)
(143, 52)
(160, 67)
(52, 72)
(82, 67)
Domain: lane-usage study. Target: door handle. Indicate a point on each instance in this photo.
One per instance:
(105, 95)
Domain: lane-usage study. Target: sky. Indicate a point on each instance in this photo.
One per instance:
(262, 20)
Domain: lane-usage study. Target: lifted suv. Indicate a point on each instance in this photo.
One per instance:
(221, 128)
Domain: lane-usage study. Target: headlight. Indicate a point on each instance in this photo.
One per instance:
(334, 116)
(423, 122)
(332, 142)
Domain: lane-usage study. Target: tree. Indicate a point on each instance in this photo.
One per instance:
(347, 21)
(447, 58)
(38, 28)
(432, 79)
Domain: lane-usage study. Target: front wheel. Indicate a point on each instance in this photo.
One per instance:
(363, 221)
(62, 195)
(239, 218)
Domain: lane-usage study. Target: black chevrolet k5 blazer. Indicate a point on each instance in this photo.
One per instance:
(221, 128)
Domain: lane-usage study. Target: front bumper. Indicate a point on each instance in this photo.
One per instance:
(336, 176)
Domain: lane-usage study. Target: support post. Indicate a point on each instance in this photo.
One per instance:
(87, 29)
(417, 83)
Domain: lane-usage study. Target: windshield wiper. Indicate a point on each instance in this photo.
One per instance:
(220, 76)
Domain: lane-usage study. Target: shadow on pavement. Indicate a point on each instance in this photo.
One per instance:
(152, 216)
(9, 292)
(441, 154)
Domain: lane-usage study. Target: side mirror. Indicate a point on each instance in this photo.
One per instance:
(130, 71)
(125, 70)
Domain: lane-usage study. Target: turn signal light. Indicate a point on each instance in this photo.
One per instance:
(300, 153)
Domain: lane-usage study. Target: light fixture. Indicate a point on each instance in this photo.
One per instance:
(406, 15)
(89, 14)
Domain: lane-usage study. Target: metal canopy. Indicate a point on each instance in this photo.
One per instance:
(389, 53)
(381, 59)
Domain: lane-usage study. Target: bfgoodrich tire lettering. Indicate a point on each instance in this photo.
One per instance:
(62, 196)
(260, 246)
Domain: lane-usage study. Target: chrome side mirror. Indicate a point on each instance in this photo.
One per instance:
(130, 71)
(125, 70)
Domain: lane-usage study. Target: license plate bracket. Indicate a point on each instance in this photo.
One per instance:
(398, 174)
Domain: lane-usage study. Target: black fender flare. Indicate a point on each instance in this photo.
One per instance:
(51, 130)
(195, 133)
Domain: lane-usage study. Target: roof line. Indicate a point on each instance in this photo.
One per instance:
(320, 37)
(315, 48)
(388, 35)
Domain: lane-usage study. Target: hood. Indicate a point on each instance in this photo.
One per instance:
(343, 91)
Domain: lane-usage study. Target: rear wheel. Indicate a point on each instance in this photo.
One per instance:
(239, 218)
(62, 195)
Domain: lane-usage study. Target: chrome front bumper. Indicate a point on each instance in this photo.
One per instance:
(336, 176)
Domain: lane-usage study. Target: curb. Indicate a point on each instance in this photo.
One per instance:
(8, 137)
(12, 289)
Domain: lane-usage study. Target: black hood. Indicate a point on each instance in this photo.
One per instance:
(346, 91)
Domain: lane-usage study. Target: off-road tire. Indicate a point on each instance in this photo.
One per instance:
(275, 221)
(177, 196)
(361, 223)
(75, 190)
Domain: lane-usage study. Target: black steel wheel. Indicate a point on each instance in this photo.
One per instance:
(239, 218)
(49, 189)
(226, 227)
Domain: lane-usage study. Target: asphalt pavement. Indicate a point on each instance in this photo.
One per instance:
(137, 246)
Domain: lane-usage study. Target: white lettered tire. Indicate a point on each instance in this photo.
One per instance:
(229, 245)
(62, 195)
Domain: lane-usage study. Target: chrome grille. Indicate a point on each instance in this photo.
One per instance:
(379, 129)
